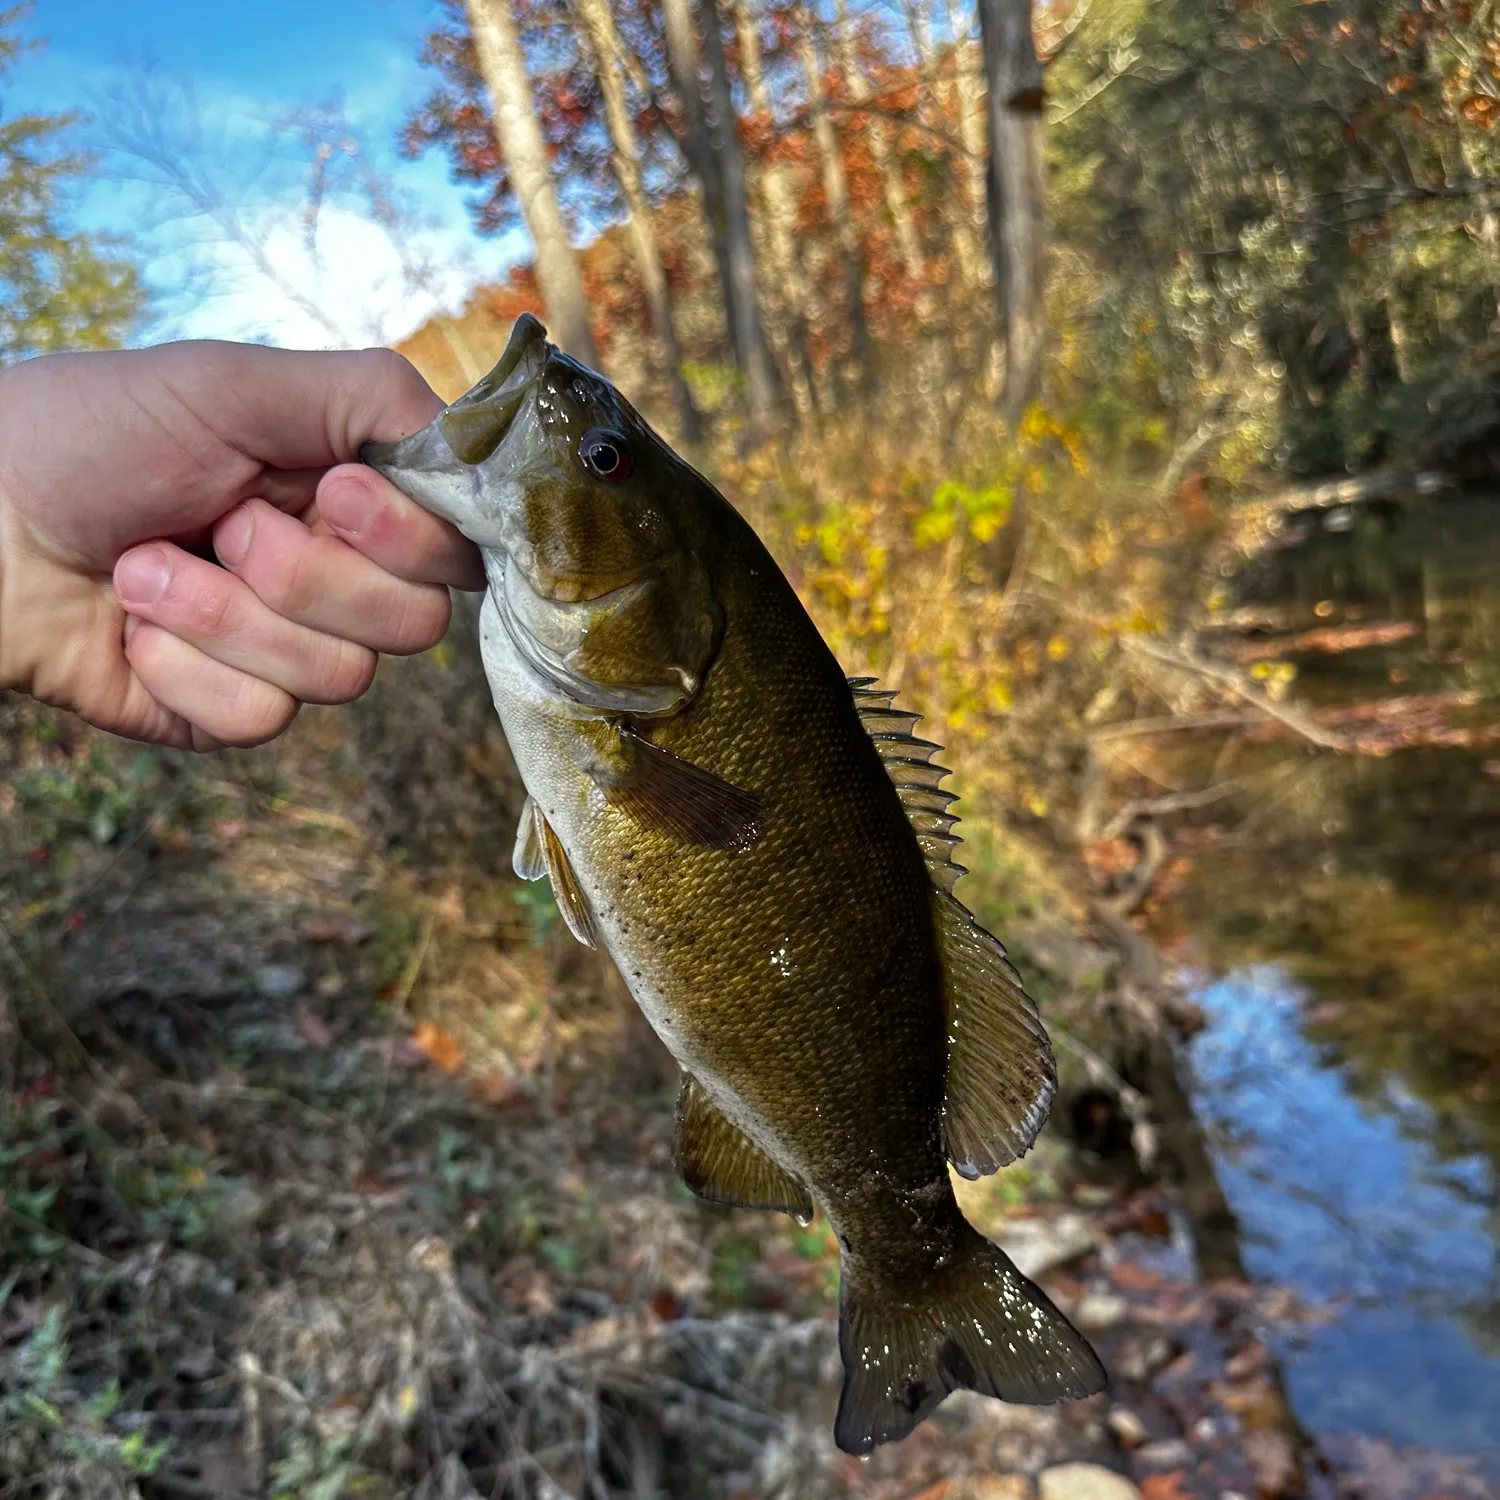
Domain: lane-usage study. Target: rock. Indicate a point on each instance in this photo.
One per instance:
(1098, 1312)
(992, 1487)
(1041, 1245)
(1080, 964)
(1166, 1453)
(1129, 1430)
(1272, 1460)
(1084, 1482)
(1139, 1360)
(277, 981)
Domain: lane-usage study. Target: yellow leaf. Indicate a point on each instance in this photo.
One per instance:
(1036, 805)
(1058, 648)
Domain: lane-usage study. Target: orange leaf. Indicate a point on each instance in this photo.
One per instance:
(441, 1048)
(1164, 1486)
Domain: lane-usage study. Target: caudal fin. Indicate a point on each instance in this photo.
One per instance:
(981, 1325)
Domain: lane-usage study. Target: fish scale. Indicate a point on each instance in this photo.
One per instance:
(763, 847)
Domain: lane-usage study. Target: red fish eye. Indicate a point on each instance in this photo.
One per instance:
(605, 454)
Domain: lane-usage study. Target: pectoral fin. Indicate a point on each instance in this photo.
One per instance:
(1001, 1076)
(672, 796)
(571, 901)
(719, 1162)
(529, 859)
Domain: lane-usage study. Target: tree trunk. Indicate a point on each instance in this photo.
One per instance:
(891, 186)
(604, 41)
(761, 384)
(778, 190)
(836, 192)
(970, 122)
(696, 143)
(503, 68)
(1017, 203)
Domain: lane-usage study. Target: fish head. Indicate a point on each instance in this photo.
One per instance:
(577, 505)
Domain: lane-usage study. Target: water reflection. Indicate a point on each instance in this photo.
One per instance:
(1347, 1199)
(1350, 935)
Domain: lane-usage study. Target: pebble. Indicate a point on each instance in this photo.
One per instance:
(1138, 1362)
(1129, 1430)
(1098, 1312)
(1084, 1482)
(1166, 1453)
(1041, 1245)
(276, 981)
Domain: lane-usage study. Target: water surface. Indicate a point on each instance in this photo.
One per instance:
(1348, 935)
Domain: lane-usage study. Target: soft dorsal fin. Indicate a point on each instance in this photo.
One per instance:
(909, 763)
(719, 1162)
(1001, 1074)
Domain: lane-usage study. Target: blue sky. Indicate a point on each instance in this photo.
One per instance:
(221, 75)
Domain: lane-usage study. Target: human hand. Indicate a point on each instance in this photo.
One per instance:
(119, 471)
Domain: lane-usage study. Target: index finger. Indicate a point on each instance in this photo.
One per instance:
(297, 409)
(372, 515)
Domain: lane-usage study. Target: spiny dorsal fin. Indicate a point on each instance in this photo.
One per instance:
(909, 763)
(1001, 1076)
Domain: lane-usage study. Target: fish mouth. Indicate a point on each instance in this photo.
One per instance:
(440, 466)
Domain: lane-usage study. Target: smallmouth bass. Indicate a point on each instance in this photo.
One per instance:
(762, 846)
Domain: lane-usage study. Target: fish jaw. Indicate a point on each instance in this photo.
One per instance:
(467, 464)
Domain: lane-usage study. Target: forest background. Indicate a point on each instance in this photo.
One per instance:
(1021, 333)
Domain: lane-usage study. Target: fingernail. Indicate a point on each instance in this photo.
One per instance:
(232, 536)
(141, 576)
(348, 507)
(131, 622)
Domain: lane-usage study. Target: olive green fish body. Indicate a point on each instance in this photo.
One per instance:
(760, 846)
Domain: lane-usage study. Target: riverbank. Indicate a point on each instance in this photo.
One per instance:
(333, 1168)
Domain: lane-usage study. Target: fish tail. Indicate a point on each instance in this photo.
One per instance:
(978, 1325)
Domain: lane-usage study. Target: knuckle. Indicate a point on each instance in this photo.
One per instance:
(349, 673)
(294, 587)
(256, 712)
(422, 620)
(208, 606)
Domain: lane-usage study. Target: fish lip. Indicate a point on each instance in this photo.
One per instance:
(483, 415)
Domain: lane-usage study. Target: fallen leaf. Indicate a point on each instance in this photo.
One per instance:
(665, 1304)
(312, 1028)
(1163, 1486)
(441, 1048)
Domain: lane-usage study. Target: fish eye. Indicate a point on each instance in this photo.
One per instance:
(605, 454)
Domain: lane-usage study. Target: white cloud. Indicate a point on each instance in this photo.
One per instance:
(357, 284)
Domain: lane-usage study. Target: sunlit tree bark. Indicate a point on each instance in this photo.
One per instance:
(1017, 195)
(503, 67)
(604, 42)
(778, 192)
(892, 188)
(836, 194)
(761, 384)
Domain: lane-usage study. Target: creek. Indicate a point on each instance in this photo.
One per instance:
(1344, 942)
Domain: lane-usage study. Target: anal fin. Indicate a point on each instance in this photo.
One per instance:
(719, 1162)
(1001, 1074)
